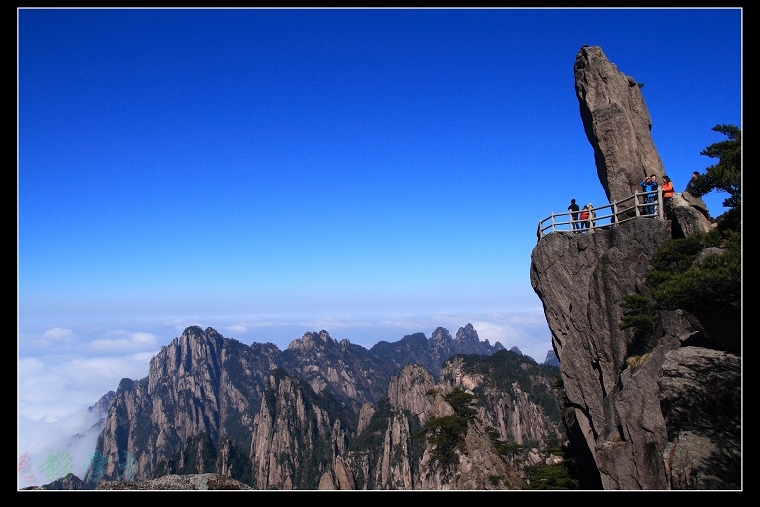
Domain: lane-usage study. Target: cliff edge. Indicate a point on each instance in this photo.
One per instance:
(665, 414)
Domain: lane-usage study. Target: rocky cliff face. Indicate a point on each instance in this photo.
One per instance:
(581, 280)
(504, 411)
(200, 384)
(350, 372)
(295, 422)
(658, 415)
(177, 482)
(648, 426)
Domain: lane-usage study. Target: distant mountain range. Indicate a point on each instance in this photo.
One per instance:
(324, 414)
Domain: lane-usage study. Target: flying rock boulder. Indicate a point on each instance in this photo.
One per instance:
(617, 124)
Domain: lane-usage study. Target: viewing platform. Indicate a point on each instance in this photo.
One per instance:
(607, 216)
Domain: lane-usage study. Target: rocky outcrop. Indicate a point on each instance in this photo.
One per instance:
(480, 467)
(194, 386)
(131, 404)
(350, 372)
(178, 482)
(391, 454)
(340, 477)
(626, 410)
(501, 406)
(689, 215)
(700, 397)
(660, 411)
(408, 391)
(513, 408)
(551, 359)
(617, 124)
(68, 482)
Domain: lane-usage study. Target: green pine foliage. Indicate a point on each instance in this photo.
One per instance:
(503, 447)
(568, 474)
(638, 313)
(550, 477)
(446, 434)
(683, 276)
(460, 401)
(724, 176)
(700, 287)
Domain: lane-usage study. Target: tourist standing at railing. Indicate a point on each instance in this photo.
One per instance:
(649, 185)
(584, 217)
(690, 185)
(667, 194)
(591, 215)
(574, 208)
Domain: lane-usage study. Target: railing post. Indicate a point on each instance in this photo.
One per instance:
(636, 201)
(660, 211)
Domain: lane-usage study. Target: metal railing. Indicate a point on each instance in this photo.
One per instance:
(616, 213)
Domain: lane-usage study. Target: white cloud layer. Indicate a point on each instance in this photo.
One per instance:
(57, 333)
(124, 342)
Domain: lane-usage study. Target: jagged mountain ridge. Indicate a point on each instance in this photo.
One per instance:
(203, 383)
(432, 353)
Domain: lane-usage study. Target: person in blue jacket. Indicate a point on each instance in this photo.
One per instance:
(649, 185)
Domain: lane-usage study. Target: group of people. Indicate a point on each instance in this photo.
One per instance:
(650, 185)
(581, 218)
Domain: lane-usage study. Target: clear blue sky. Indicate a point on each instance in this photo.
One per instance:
(373, 173)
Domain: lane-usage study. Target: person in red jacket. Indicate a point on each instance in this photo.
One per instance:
(583, 217)
(667, 194)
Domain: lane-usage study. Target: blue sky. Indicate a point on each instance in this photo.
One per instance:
(268, 172)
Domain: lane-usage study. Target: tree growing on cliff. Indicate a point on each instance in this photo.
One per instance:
(683, 276)
(724, 176)
(446, 433)
(700, 274)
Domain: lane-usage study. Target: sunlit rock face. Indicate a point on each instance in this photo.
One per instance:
(617, 124)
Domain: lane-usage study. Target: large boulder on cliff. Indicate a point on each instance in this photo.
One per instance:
(689, 215)
(617, 124)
